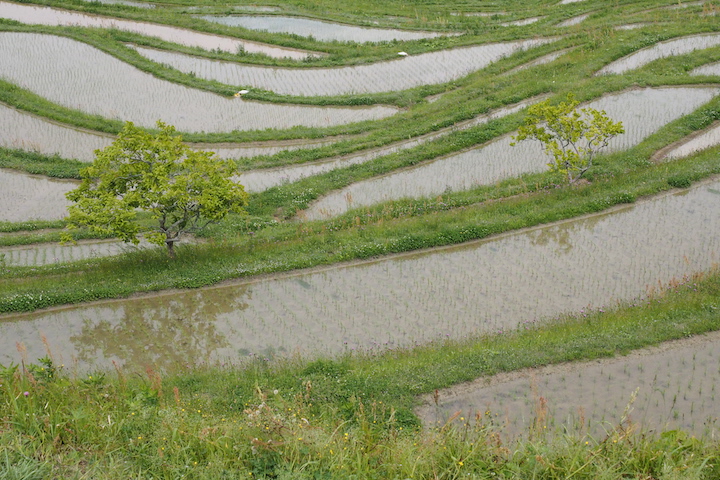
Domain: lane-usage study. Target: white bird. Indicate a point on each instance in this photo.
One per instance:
(242, 92)
(403, 54)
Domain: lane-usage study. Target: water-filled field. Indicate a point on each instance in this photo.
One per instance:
(642, 112)
(481, 287)
(399, 74)
(323, 31)
(81, 77)
(32, 197)
(36, 15)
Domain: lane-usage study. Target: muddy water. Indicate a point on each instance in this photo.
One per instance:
(399, 74)
(52, 16)
(710, 69)
(25, 131)
(697, 143)
(323, 31)
(33, 255)
(677, 385)
(454, 292)
(260, 180)
(642, 112)
(677, 46)
(32, 197)
(81, 77)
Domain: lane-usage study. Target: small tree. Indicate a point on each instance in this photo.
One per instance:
(571, 137)
(183, 190)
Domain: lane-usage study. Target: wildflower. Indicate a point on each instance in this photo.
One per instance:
(26, 394)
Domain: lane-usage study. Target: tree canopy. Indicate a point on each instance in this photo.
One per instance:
(573, 138)
(182, 189)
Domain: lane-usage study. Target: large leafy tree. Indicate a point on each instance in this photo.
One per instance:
(570, 136)
(182, 189)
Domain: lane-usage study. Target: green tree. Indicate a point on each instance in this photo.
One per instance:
(572, 137)
(182, 189)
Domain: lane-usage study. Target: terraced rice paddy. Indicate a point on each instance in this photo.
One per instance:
(323, 31)
(35, 255)
(642, 112)
(710, 69)
(666, 388)
(400, 74)
(35, 15)
(81, 77)
(259, 180)
(456, 292)
(705, 139)
(32, 197)
(21, 130)
(24, 131)
(677, 46)
(460, 292)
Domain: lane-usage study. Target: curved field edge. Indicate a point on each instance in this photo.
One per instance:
(328, 413)
(296, 246)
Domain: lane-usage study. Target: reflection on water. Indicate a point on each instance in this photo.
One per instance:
(319, 30)
(51, 16)
(32, 197)
(399, 74)
(454, 292)
(82, 77)
(677, 46)
(642, 112)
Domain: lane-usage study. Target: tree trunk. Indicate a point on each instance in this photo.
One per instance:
(170, 248)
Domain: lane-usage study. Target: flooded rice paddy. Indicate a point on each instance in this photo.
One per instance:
(521, 23)
(676, 46)
(676, 384)
(574, 20)
(486, 286)
(259, 180)
(29, 132)
(24, 131)
(32, 197)
(82, 77)
(45, 254)
(36, 15)
(710, 69)
(319, 30)
(642, 111)
(399, 74)
(695, 143)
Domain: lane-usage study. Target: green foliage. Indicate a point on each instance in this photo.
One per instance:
(184, 190)
(571, 137)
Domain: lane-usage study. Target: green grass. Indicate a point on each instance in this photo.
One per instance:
(335, 418)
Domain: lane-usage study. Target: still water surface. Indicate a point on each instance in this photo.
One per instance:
(454, 292)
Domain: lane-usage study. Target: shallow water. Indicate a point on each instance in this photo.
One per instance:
(697, 143)
(710, 69)
(259, 180)
(32, 197)
(677, 46)
(82, 77)
(574, 20)
(399, 74)
(455, 292)
(33, 255)
(25, 131)
(642, 111)
(676, 385)
(124, 2)
(323, 31)
(520, 23)
(51, 16)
